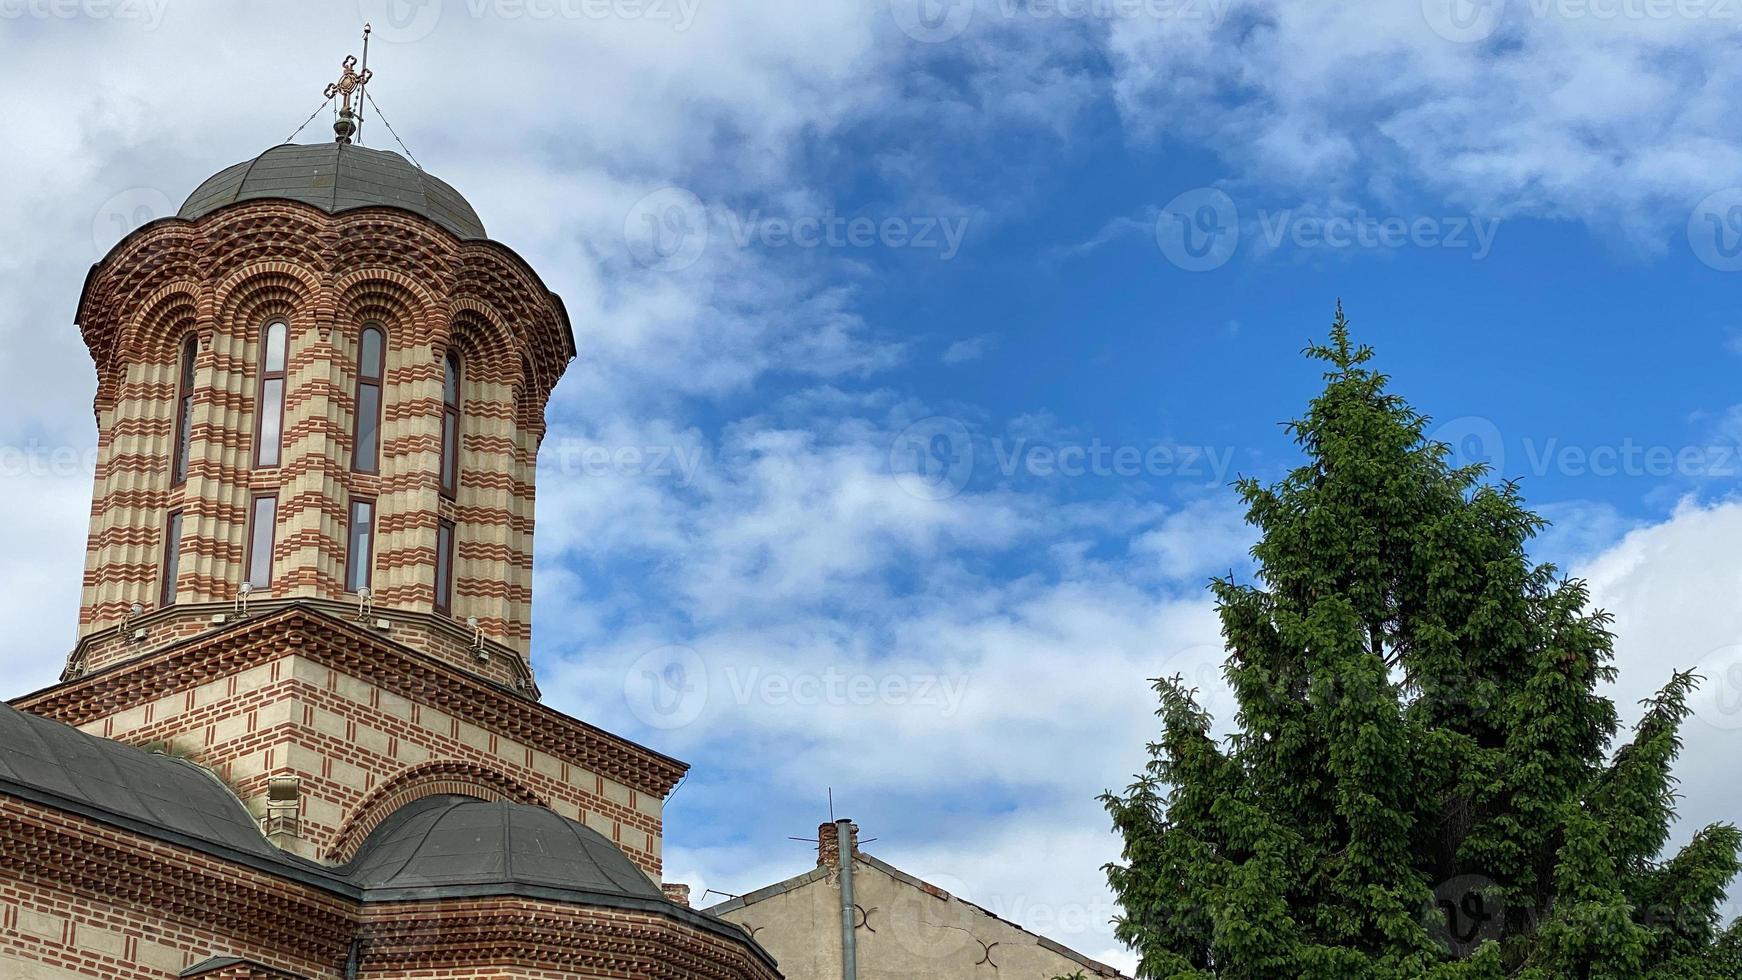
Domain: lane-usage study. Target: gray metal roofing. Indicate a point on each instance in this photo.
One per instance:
(453, 841)
(130, 782)
(337, 177)
(434, 848)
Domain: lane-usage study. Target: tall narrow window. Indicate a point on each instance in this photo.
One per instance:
(451, 426)
(269, 414)
(444, 583)
(360, 557)
(171, 559)
(371, 347)
(263, 527)
(184, 411)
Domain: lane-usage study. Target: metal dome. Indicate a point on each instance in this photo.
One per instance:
(456, 844)
(337, 177)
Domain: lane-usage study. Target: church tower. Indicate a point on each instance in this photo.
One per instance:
(322, 383)
(302, 685)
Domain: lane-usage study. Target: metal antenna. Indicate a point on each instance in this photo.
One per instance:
(365, 86)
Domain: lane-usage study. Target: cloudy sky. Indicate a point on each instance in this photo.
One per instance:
(921, 338)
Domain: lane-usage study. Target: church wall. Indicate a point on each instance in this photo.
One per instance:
(345, 738)
(49, 934)
(147, 922)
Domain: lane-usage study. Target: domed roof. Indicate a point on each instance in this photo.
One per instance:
(444, 843)
(143, 788)
(337, 177)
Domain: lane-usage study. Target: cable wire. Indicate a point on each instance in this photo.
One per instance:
(383, 117)
(310, 119)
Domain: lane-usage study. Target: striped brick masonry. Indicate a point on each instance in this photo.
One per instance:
(222, 279)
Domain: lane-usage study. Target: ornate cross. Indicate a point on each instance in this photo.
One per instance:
(349, 82)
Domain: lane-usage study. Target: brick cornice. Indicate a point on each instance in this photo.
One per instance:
(267, 914)
(541, 935)
(295, 238)
(306, 632)
(79, 854)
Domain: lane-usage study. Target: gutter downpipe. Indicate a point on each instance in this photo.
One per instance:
(849, 942)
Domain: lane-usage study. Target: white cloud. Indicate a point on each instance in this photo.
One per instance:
(969, 350)
(1672, 587)
(1615, 122)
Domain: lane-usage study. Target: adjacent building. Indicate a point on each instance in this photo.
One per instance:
(890, 925)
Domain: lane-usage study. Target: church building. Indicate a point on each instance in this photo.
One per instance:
(299, 737)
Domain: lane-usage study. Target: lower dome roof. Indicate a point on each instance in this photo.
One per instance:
(442, 843)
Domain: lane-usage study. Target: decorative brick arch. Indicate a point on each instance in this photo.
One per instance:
(163, 319)
(417, 782)
(395, 300)
(485, 341)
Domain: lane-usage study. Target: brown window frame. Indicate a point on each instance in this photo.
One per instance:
(378, 381)
(444, 597)
(450, 459)
(266, 376)
(172, 533)
(181, 458)
(367, 580)
(253, 539)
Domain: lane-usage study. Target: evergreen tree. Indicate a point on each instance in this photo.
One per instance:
(1423, 781)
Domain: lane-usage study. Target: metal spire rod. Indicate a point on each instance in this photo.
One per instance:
(365, 85)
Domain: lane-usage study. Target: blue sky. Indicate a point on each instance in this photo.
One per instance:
(1108, 232)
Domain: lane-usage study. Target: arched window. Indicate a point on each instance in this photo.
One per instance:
(269, 416)
(184, 411)
(451, 426)
(371, 358)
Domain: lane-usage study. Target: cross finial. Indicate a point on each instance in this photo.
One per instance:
(350, 80)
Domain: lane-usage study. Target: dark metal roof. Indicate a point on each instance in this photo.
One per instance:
(216, 964)
(434, 848)
(337, 177)
(444, 842)
(147, 787)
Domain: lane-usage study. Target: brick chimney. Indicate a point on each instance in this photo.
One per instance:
(829, 843)
(677, 894)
